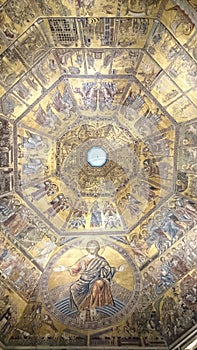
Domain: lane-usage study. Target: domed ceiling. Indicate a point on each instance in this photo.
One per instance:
(98, 169)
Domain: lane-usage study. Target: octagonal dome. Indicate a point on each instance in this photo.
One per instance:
(118, 78)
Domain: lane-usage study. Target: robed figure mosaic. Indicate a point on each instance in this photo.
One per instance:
(99, 286)
(92, 289)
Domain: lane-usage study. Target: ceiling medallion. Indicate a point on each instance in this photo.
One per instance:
(121, 296)
(96, 156)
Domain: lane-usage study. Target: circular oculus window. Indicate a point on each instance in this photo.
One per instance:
(96, 156)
